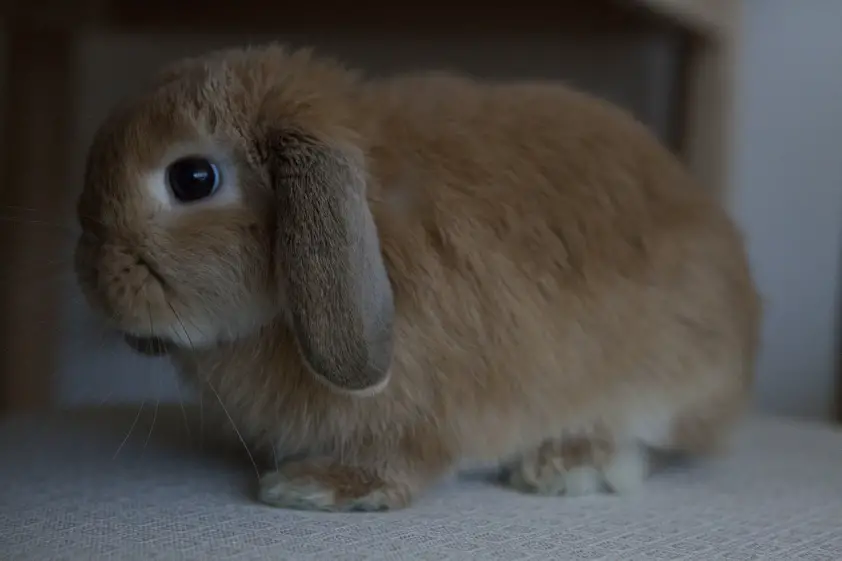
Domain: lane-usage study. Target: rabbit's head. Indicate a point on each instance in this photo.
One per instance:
(230, 195)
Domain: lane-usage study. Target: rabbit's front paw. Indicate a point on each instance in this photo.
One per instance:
(324, 485)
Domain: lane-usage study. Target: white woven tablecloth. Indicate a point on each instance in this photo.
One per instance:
(62, 496)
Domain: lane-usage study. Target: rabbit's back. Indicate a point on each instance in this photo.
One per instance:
(551, 260)
(539, 170)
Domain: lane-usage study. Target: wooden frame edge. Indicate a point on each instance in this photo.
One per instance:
(38, 119)
(707, 104)
(703, 17)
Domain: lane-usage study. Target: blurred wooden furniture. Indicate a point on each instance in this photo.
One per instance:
(39, 103)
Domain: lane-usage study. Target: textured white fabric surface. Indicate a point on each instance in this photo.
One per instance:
(778, 496)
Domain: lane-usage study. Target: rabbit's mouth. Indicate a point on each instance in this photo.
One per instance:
(149, 346)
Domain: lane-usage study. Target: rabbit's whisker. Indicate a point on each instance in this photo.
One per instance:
(36, 222)
(154, 418)
(18, 208)
(236, 430)
(158, 379)
(131, 429)
(42, 211)
(274, 454)
(184, 412)
(216, 394)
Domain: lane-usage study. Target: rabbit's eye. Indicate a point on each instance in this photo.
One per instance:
(192, 178)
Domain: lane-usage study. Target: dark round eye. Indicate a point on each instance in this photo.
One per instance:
(192, 178)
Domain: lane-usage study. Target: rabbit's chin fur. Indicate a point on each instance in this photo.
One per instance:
(398, 278)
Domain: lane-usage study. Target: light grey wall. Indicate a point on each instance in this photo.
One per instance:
(788, 196)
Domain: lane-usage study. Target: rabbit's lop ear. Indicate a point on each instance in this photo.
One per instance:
(329, 263)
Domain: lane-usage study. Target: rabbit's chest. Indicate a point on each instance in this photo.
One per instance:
(268, 398)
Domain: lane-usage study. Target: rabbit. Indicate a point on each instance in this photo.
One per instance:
(382, 280)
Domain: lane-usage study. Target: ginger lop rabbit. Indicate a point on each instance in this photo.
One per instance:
(381, 280)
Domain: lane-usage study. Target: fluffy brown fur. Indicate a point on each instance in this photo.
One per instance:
(560, 294)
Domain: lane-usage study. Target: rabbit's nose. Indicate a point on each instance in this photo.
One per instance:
(131, 288)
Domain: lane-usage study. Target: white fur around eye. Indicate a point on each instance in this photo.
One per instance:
(155, 185)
